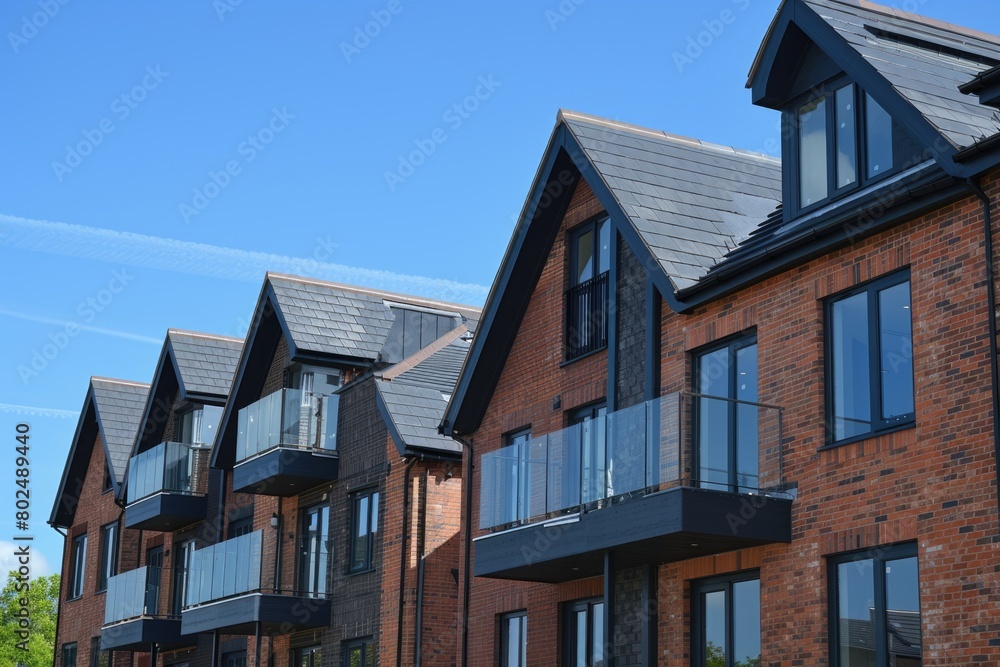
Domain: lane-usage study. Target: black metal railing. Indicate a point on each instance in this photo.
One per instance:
(587, 316)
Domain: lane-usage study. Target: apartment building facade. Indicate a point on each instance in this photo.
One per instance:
(284, 497)
(723, 410)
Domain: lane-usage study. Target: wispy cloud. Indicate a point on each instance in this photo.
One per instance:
(108, 245)
(83, 327)
(8, 560)
(36, 411)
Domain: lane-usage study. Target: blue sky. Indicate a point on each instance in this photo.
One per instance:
(159, 157)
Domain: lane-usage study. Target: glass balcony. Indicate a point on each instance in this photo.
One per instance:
(677, 440)
(132, 595)
(289, 418)
(229, 588)
(172, 467)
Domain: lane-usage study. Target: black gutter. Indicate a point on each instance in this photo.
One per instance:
(421, 546)
(59, 607)
(467, 483)
(978, 148)
(402, 564)
(991, 296)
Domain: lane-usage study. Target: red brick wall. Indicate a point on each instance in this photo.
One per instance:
(81, 619)
(934, 483)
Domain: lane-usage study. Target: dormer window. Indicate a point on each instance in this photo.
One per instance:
(843, 139)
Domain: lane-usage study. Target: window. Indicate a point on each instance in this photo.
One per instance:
(311, 656)
(364, 528)
(69, 655)
(513, 480)
(875, 608)
(870, 358)
(99, 658)
(727, 452)
(109, 555)
(107, 479)
(198, 426)
(359, 653)
(78, 564)
(832, 155)
(154, 569)
(234, 659)
(596, 479)
(726, 621)
(514, 640)
(240, 527)
(584, 633)
(587, 297)
(183, 555)
(314, 550)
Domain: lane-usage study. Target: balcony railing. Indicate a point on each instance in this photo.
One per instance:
(587, 316)
(677, 440)
(288, 418)
(234, 567)
(173, 467)
(132, 595)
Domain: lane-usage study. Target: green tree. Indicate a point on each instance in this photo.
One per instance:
(39, 636)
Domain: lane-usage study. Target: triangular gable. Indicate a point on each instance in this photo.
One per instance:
(680, 204)
(111, 409)
(911, 65)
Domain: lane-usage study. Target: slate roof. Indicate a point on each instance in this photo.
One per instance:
(342, 320)
(119, 407)
(414, 400)
(206, 363)
(690, 202)
(898, 45)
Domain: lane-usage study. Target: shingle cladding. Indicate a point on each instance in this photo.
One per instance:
(206, 363)
(119, 408)
(928, 78)
(690, 202)
(415, 400)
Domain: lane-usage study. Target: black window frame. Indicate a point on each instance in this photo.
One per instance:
(78, 567)
(521, 658)
(68, 655)
(710, 585)
(107, 569)
(827, 91)
(366, 564)
(879, 556)
(733, 344)
(363, 644)
(570, 609)
(179, 573)
(239, 527)
(99, 658)
(880, 426)
(593, 225)
(307, 559)
(314, 652)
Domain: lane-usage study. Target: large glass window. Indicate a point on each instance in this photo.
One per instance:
(314, 553)
(727, 432)
(311, 656)
(514, 640)
(364, 529)
(359, 653)
(109, 555)
(69, 655)
(726, 618)
(99, 658)
(584, 633)
(870, 344)
(154, 570)
(78, 566)
(587, 297)
(877, 608)
(183, 555)
(832, 131)
(198, 426)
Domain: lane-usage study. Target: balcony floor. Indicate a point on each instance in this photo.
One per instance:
(285, 471)
(137, 635)
(166, 511)
(276, 614)
(662, 527)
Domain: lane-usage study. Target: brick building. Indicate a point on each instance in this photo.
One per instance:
(96, 540)
(729, 411)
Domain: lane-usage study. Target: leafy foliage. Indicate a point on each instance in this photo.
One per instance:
(40, 634)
